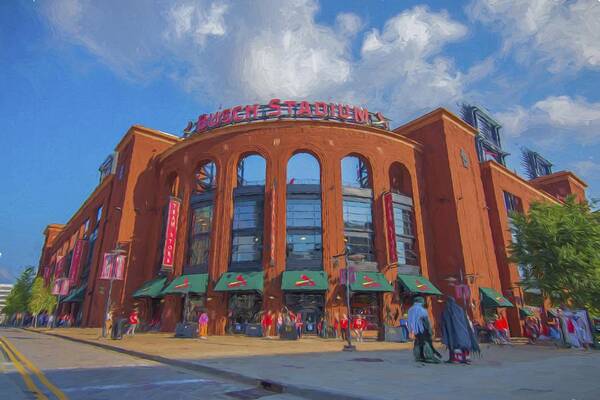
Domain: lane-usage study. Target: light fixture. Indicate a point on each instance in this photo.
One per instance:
(271, 297)
(209, 298)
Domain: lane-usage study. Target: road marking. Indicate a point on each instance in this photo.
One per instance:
(42, 378)
(134, 385)
(23, 372)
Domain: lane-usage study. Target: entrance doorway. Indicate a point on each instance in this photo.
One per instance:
(309, 305)
(244, 309)
(366, 305)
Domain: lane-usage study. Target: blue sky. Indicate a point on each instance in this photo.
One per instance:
(75, 74)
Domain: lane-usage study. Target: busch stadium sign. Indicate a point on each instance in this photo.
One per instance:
(288, 109)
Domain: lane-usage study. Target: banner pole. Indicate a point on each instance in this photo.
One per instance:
(106, 308)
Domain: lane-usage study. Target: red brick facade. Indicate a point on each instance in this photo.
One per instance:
(460, 220)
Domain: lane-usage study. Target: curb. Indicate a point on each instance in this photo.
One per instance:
(274, 386)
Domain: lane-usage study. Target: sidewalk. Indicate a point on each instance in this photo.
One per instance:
(316, 368)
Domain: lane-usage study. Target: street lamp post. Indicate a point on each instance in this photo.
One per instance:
(355, 257)
(116, 252)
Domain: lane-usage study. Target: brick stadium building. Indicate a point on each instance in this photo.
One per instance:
(253, 209)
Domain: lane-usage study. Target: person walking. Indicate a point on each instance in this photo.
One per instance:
(203, 325)
(420, 327)
(457, 333)
(133, 322)
(279, 323)
(267, 323)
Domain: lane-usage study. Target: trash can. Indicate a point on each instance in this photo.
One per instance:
(254, 330)
(186, 330)
(288, 332)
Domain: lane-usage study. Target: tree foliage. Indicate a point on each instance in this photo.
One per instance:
(41, 298)
(558, 249)
(18, 298)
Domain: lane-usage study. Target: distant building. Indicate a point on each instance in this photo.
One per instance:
(534, 164)
(5, 289)
(487, 141)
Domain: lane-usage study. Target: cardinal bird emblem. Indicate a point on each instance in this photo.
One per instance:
(421, 286)
(239, 281)
(184, 285)
(369, 282)
(305, 281)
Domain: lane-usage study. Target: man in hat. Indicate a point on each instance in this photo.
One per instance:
(420, 327)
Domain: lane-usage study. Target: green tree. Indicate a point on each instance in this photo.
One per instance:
(18, 298)
(41, 298)
(558, 249)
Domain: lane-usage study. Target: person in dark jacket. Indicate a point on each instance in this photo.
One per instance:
(457, 333)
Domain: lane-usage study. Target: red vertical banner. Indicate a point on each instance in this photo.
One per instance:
(60, 267)
(107, 266)
(119, 267)
(273, 226)
(168, 258)
(390, 227)
(76, 261)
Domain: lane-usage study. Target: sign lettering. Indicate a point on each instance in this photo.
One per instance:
(171, 234)
(288, 109)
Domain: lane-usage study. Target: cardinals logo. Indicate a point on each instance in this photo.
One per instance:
(421, 286)
(239, 281)
(305, 281)
(369, 282)
(184, 285)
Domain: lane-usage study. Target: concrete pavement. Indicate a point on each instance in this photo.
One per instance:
(378, 370)
(81, 371)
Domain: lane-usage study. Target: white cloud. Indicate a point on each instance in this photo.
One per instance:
(557, 118)
(348, 23)
(250, 51)
(587, 168)
(562, 34)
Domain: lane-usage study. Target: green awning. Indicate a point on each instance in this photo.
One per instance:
(151, 288)
(418, 284)
(193, 283)
(76, 296)
(304, 281)
(525, 312)
(370, 282)
(492, 299)
(240, 282)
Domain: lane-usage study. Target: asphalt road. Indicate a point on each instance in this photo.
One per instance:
(42, 367)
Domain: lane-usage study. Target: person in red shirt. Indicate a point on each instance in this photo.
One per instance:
(501, 325)
(344, 327)
(267, 323)
(359, 325)
(299, 324)
(133, 322)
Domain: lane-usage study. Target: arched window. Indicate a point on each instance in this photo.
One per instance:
(401, 188)
(355, 173)
(358, 208)
(303, 213)
(205, 177)
(248, 214)
(251, 171)
(202, 206)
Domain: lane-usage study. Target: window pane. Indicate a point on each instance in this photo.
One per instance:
(403, 221)
(246, 247)
(406, 254)
(360, 244)
(303, 213)
(205, 178)
(303, 169)
(199, 250)
(202, 219)
(358, 215)
(305, 246)
(248, 214)
(355, 173)
(252, 170)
